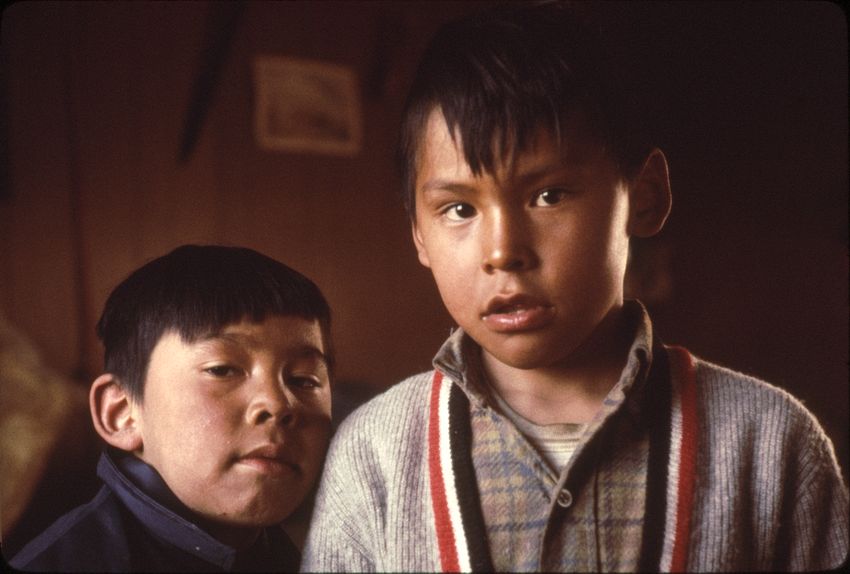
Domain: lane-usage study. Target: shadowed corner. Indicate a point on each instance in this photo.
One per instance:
(45, 441)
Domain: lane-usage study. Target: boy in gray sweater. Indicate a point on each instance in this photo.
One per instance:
(556, 432)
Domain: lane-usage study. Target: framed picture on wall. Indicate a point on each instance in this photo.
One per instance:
(306, 106)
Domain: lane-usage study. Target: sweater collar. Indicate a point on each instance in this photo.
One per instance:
(670, 395)
(460, 360)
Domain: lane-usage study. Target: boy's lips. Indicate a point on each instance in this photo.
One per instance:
(517, 313)
(269, 459)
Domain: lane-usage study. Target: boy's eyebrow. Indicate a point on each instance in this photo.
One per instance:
(231, 337)
(445, 184)
(561, 168)
(565, 166)
(305, 350)
(314, 353)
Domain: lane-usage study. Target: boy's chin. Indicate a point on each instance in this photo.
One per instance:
(524, 352)
(262, 510)
(269, 516)
(247, 521)
(522, 359)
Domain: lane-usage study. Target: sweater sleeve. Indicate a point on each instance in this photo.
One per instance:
(814, 533)
(772, 495)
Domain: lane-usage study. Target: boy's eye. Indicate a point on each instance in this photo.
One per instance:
(459, 211)
(222, 371)
(549, 196)
(303, 382)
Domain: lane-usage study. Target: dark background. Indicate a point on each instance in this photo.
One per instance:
(750, 102)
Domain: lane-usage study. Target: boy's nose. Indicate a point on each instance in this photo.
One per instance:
(272, 403)
(506, 244)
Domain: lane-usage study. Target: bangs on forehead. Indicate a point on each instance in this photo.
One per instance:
(571, 136)
(507, 143)
(210, 308)
(496, 94)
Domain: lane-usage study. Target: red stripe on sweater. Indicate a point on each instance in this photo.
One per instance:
(445, 533)
(687, 459)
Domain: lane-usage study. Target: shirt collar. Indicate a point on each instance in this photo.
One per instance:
(460, 359)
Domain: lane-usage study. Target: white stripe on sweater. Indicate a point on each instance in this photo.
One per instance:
(449, 478)
(674, 461)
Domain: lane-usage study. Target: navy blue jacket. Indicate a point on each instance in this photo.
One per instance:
(136, 524)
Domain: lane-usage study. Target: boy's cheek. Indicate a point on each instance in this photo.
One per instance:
(319, 436)
(316, 432)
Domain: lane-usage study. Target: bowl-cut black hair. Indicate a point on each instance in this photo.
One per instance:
(196, 290)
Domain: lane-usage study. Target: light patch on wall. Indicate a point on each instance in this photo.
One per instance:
(307, 106)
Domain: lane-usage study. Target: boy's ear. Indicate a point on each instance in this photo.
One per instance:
(420, 245)
(113, 414)
(649, 196)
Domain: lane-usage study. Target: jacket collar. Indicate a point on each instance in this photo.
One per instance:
(144, 493)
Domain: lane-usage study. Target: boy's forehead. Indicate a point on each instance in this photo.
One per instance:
(293, 335)
(572, 143)
(251, 332)
(438, 146)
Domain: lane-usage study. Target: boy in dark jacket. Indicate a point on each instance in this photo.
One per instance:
(215, 406)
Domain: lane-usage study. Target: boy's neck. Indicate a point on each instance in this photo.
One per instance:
(571, 391)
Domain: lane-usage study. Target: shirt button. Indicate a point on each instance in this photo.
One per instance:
(565, 499)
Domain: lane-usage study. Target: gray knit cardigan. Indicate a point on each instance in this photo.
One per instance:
(767, 493)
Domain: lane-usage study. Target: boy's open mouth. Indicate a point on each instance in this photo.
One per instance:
(509, 310)
(516, 313)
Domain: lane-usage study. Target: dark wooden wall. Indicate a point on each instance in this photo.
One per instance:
(98, 96)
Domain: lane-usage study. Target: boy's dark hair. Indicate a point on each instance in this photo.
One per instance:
(196, 290)
(500, 75)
